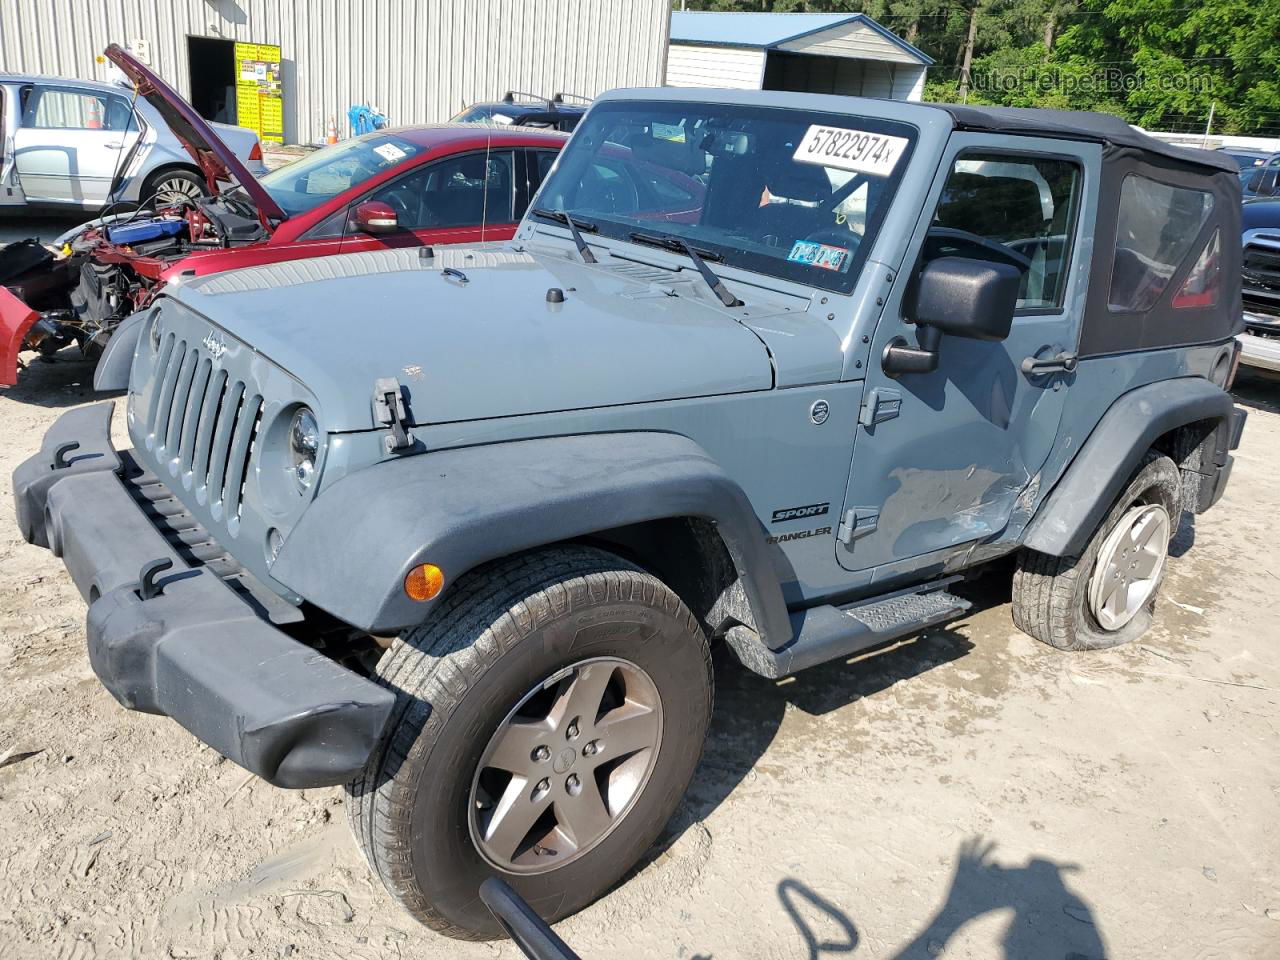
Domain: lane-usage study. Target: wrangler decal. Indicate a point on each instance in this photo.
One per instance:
(798, 535)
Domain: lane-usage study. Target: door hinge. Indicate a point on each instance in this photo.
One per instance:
(857, 523)
(389, 411)
(881, 404)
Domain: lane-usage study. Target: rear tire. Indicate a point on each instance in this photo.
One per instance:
(1057, 599)
(167, 187)
(501, 634)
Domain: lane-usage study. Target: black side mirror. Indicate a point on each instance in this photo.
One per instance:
(962, 297)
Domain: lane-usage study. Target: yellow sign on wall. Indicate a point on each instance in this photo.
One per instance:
(259, 92)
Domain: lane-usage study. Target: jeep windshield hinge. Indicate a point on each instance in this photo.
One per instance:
(389, 411)
(857, 523)
(881, 404)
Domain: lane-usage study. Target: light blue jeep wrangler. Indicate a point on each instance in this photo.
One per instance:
(460, 528)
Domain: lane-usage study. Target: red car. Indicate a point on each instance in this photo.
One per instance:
(411, 186)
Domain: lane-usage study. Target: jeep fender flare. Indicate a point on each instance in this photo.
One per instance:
(1108, 458)
(459, 508)
(112, 372)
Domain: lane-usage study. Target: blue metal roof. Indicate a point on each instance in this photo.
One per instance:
(768, 30)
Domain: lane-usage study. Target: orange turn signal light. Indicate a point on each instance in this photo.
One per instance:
(423, 582)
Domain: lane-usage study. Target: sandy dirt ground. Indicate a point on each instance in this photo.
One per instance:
(969, 793)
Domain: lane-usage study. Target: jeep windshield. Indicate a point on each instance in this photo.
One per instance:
(788, 193)
(309, 182)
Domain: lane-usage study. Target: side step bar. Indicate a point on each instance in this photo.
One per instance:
(826, 632)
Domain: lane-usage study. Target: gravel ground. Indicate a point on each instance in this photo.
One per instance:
(969, 793)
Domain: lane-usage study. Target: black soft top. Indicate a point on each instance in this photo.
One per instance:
(1079, 125)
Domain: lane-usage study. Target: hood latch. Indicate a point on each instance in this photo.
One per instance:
(389, 410)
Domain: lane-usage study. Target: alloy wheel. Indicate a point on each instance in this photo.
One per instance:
(1129, 564)
(176, 189)
(566, 765)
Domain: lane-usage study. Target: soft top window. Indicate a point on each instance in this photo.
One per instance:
(1155, 228)
(1200, 289)
(1010, 208)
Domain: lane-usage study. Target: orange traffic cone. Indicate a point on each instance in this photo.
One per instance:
(94, 119)
(331, 131)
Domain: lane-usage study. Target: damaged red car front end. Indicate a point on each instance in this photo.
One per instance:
(16, 322)
(80, 290)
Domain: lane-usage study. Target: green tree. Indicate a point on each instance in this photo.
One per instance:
(1157, 63)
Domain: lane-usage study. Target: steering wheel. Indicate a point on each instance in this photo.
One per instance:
(397, 200)
(618, 194)
(950, 242)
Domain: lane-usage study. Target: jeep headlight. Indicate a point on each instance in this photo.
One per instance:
(304, 447)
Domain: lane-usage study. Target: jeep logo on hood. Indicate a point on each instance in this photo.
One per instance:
(215, 345)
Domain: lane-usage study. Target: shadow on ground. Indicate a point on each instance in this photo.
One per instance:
(62, 380)
(1049, 920)
(1257, 392)
(749, 708)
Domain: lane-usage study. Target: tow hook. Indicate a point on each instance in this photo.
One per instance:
(389, 411)
(147, 586)
(60, 461)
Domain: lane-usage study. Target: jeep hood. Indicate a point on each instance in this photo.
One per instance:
(472, 333)
(215, 159)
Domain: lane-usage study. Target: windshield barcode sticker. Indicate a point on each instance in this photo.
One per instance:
(856, 150)
(389, 152)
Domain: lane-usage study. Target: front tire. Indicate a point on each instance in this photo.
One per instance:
(565, 690)
(1106, 595)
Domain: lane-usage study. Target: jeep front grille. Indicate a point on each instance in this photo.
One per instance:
(202, 423)
(194, 544)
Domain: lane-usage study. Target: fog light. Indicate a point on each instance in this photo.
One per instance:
(423, 582)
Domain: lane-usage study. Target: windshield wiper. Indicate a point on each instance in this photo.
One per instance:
(671, 242)
(559, 216)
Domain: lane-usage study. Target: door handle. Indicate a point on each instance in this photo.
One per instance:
(113, 144)
(1063, 362)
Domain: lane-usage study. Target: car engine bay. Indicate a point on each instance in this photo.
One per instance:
(83, 289)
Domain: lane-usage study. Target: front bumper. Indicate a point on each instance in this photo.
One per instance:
(194, 651)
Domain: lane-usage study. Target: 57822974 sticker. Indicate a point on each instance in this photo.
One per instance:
(858, 150)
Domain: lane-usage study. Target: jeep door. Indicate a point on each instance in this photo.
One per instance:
(948, 460)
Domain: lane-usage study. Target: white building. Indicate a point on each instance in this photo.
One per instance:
(419, 61)
(848, 54)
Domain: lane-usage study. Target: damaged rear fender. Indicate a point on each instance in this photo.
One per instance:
(1113, 452)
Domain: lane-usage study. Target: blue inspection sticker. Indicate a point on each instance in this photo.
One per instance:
(821, 255)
